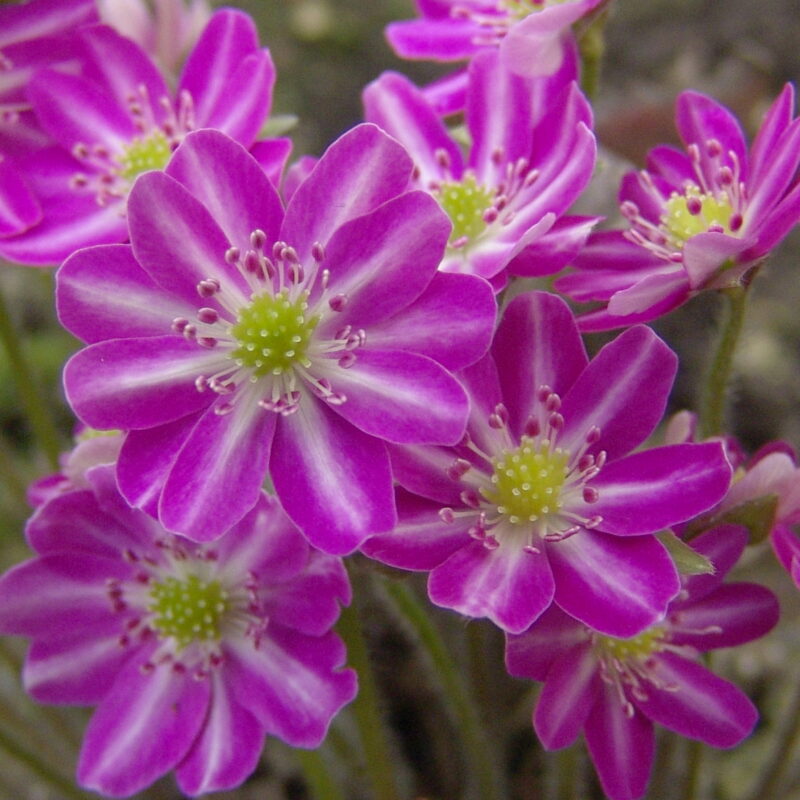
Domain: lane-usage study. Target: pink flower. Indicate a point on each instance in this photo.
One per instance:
(532, 153)
(192, 653)
(235, 341)
(33, 35)
(614, 689)
(117, 118)
(699, 219)
(544, 500)
(530, 34)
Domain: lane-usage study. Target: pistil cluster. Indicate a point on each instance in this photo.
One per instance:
(270, 345)
(714, 202)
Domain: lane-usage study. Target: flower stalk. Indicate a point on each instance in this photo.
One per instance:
(41, 423)
(714, 397)
(366, 707)
(479, 750)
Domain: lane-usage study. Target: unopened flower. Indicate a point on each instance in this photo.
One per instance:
(543, 501)
(532, 152)
(530, 34)
(92, 449)
(192, 653)
(773, 473)
(699, 219)
(117, 118)
(614, 689)
(233, 341)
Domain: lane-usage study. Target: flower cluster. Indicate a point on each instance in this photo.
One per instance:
(278, 371)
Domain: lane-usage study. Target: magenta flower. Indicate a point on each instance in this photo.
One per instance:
(530, 34)
(532, 154)
(234, 341)
(192, 653)
(33, 35)
(542, 502)
(699, 219)
(614, 689)
(118, 118)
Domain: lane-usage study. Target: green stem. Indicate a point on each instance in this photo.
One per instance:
(40, 768)
(318, 776)
(42, 425)
(713, 401)
(784, 756)
(9, 473)
(592, 46)
(365, 706)
(479, 749)
(694, 768)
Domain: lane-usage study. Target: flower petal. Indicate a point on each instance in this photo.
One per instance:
(144, 727)
(567, 698)
(621, 747)
(333, 480)
(137, 383)
(383, 260)
(292, 683)
(217, 474)
(228, 78)
(420, 540)
(359, 171)
(451, 322)
(401, 397)
(103, 293)
(616, 586)
(623, 392)
(654, 489)
(510, 587)
(77, 665)
(537, 344)
(228, 181)
(228, 748)
(699, 704)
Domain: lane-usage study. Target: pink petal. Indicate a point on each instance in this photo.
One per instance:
(699, 705)
(137, 383)
(228, 748)
(144, 728)
(292, 683)
(621, 747)
(402, 397)
(103, 293)
(217, 474)
(333, 480)
(509, 586)
(616, 586)
(358, 172)
(537, 344)
(228, 181)
(567, 698)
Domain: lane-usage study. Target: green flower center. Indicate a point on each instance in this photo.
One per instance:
(145, 153)
(273, 333)
(683, 224)
(637, 647)
(188, 610)
(465, 203)
(527, 482)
